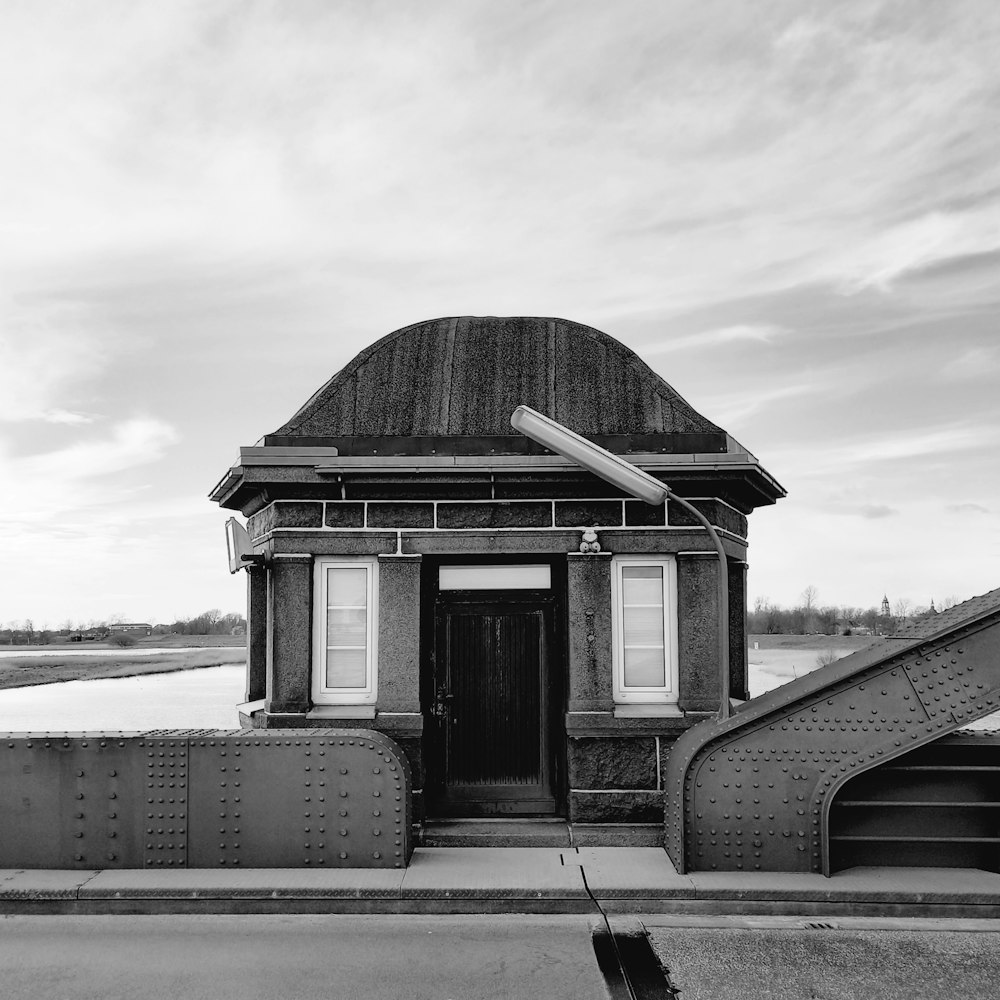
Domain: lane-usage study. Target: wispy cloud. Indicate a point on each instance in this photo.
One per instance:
(46, 486)
(867, 450)
(875, 512)
(753, 333)
(58, 416)
(138, 441)
(967, 508)
(918, 243)
(976, 362)
(46, 354)
(744, 402)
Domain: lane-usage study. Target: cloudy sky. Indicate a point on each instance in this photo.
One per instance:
(791, 210)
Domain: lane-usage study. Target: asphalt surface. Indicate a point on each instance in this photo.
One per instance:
(298, 958)
(832, 963)
(302, 957)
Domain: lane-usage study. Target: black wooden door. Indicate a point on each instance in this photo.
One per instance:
(493, 751)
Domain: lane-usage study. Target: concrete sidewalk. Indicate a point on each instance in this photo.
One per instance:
(507, 880)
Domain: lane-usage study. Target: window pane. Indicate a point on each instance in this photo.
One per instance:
(345, 668)
(347, 586)
(645, 668)
(643, 626)
(642, 585)
(346, 626)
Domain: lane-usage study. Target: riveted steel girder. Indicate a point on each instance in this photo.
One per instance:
(66, 801)
(204, 798)
(753, 792)
(304, 798)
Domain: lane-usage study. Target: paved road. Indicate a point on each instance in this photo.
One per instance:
(790, 963)
(504, 957)
(298, 958)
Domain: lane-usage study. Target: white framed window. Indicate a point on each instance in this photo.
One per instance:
(644, 630)
(345, 631)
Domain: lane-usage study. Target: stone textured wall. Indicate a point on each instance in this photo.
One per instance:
(589, 633)
(618, 778)
(399, 633)
(400, 515)
(738, 662)
(289, 634)
(719, 514)
(697, 631)
(256, 686)
(499, 514)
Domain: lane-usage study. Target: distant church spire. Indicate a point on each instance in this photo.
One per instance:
(885, 606)
(933, 609)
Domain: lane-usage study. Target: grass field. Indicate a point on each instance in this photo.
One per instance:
(142, 642)
(847, 643)
(28, 670)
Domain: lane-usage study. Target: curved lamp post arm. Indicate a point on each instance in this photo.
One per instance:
(632, 480)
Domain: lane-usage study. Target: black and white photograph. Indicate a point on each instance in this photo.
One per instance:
(500, 500)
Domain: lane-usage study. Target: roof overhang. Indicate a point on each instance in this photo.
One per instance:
(271, 467)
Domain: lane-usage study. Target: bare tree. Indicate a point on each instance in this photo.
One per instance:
(901, 607)
(809, 597)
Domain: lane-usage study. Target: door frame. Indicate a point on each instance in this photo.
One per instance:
(553, 603)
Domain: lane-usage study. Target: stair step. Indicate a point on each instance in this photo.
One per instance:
(495, 833)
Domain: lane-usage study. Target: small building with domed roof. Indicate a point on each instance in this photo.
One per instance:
(532, 637)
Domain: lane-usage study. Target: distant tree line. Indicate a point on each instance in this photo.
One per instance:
(212, 622)
(809, 617)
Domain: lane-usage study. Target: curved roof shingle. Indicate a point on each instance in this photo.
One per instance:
(463, 376)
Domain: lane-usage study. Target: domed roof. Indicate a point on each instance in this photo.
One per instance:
(463, 377)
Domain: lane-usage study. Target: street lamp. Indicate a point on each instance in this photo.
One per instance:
(642, 486)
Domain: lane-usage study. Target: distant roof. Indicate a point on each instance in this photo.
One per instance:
(463, 377)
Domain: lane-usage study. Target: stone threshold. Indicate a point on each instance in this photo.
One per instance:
(534, 832)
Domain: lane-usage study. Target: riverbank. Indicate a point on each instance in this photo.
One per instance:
(46, 665)
(777, 659)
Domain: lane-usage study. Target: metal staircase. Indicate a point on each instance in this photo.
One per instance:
(938, 806)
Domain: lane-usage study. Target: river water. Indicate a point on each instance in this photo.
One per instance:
(187, 699)
(207, 698)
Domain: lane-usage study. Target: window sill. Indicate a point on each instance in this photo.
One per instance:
(249, 707)
(648, 711)
(341, 712)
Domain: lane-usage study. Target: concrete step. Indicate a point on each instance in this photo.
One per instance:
(494, 833)
(536, 832)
